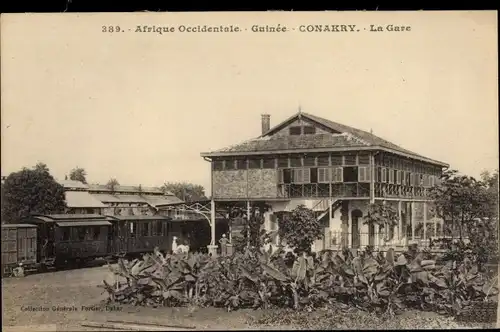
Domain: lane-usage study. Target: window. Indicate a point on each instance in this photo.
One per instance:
(323, 175)
(295, 130)
(383, 174)
(350, 160)
(286, 175)
(145, 229)
(350, 174)
(391, 175)
(295, 162)
(268, 163)
(432, 180)
(230, 164)
(314, 175)
(159, 228)
(309, 161)
(398, 177)
(132, 229)
(96, 231)
(323, 160)
(412, 179)
(301, 175)
(81, 233)
(283, 162)
(308, 130)
(407, 179)
(337, 174)
(218, 165)
(65, 233)
(253, 163)
(241, 164)
(364, 159)
(364, 174)
(337, 161)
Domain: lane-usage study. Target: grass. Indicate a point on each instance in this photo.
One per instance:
(79, 288)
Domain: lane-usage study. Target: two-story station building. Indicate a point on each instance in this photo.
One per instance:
(334, 169)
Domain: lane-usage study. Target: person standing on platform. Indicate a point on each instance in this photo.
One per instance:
(223, 245)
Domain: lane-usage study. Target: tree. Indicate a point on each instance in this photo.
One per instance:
(490, 181)
(460, 199)
(78, 174)
(31, 191)
(383, 215)
(187, 192)
(41, 167)
(300, 229)
(112, 184)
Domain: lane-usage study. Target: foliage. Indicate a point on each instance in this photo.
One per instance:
(78, 174)
(112, 184)
(383, 215)
(373, 282)
(31, 191)
(460, 199)
(300, 229)
(188, 192)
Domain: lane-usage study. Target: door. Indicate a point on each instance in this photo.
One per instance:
(119, 235)
(371, 234)
(355, 216)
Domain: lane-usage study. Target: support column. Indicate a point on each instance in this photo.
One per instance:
(412, 220)
(212, 248)
(372, 178)
(248, 221)
(425, 222)
(435, 226)
(400, 222)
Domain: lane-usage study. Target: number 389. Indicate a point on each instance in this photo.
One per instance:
(111, 28)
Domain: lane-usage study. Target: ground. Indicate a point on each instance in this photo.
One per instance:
(79, 288)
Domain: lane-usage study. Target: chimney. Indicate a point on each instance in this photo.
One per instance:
(266, 123)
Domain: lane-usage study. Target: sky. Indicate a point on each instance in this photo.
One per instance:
(141, 107)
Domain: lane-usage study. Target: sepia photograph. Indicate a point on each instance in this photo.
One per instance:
(249, 171)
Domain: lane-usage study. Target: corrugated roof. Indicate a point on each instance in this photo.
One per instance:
(82, 199)
(131, 199)
(162, 200)
(71, 184)
(125, 189)
(106, 198)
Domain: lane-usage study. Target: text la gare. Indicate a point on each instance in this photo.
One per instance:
(389, 27)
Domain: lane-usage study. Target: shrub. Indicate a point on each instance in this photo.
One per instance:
(382, 284)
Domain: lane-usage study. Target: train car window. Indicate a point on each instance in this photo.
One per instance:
(145, 229)
(132, 229)
(82, 232)
(158, 227)
(65, 233)
(96, 231)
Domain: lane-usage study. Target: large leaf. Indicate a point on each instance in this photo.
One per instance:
(401, 260)
(299, 269)
(274, 272)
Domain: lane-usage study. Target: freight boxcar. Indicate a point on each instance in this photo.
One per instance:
(19, 245)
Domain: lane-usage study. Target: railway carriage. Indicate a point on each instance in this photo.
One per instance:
(70, 238)
(19, 246)
(136, 235)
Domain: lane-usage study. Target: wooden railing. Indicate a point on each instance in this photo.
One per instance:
(292, 190)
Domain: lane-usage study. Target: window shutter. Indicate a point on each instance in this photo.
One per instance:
(391, 176)
(384, 175)
(398, 177)
(323, 175)
(412, 179)
(280, 176)
(368, 173)
(337, 174)
(306, 175)
(361, 174)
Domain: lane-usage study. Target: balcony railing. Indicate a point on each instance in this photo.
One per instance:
(293, 190)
